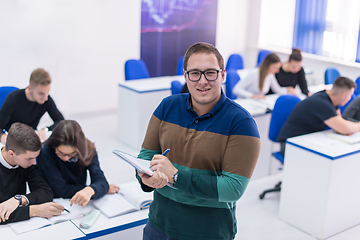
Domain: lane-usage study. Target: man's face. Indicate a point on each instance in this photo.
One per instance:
(25, 160)
(39, 93)
(346, 96)
(204, 92)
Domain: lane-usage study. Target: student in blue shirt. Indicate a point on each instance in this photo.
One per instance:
(64, 160)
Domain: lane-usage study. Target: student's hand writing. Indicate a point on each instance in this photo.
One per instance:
(260, 96)
(46, 210)
(42, 135)
(157, 180)
(162, 164)
(82, 197)
(3, 138)
(291, 90)
(7, 207)
(113, 188)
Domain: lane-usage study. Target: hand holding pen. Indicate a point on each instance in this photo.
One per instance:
(162, 164)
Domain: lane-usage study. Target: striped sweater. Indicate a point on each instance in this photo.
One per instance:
(215, 155)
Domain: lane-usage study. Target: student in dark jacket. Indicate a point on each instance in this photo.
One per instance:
(64, 160)
(17, 168)
(292, 73)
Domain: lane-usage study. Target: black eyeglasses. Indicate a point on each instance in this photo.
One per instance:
(210, 75)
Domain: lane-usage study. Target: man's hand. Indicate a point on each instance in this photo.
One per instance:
(7, 207)
(157, 180)
(46, 210)
(82, 197)
(3, 138)
(160, 163)
(259, 96)
(42, 135)
(113, 188)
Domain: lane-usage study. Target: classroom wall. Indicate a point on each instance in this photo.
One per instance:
(85, 43)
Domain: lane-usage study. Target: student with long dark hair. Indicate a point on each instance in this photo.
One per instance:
(64, 160)
(259, 80)
(292, 73)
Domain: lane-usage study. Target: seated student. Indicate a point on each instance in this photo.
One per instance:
(259, 80)
(29, 105)
(292, 73)
(320, 110)
(64, 160)
(352, 111)
(17, 167)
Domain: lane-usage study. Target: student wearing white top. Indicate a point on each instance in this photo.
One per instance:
(259, 80)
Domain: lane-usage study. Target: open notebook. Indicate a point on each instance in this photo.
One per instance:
(38, 222)
(130, 198)
(355, 138)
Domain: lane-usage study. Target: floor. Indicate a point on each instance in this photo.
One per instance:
(257, 219)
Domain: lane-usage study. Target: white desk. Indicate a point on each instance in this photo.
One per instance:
(320, 193)
(137, 101)
(60, 231)
(128, 226)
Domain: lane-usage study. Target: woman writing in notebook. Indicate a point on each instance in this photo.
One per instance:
(259, 80)
(292, 73)
(64, 160)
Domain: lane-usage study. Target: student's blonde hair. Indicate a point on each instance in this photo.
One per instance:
(263, 69)
(40, 77)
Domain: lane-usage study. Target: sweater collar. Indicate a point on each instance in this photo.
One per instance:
(213, 111)
(4, 163)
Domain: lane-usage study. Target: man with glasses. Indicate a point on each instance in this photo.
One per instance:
(29, 105)
(17, 168)
(214, 146)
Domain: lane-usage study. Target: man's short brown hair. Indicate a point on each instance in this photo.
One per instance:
(40, 77)
(22, 138)
(202, 47)
(343, 84)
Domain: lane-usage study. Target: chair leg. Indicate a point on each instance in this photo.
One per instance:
(277, 188)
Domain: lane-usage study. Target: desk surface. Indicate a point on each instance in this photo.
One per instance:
(151, 84)
(325, 146)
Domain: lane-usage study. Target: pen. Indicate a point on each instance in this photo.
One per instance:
(66, 210)
(5, 132)
(166, 151)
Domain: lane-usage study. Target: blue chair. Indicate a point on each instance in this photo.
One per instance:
(330, 75)
(176, 87)
(262, 55)
(4, 91)
(231, 79)
(282, 109)
(342, 108)
(357, 90)
(180, 66)
(136, 69)
(235, 62)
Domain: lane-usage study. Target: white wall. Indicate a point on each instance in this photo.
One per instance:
(83, 44)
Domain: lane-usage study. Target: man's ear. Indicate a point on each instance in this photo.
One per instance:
(11, 153)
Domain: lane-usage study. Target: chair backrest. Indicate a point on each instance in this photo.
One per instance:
(235, 62)
(4, 91)
(176, 87)
(357, 90)
(330, 75)
(282, 108)
(136, 69)
(231, 79)
(342, 108)
(262, 55)
(180, 66)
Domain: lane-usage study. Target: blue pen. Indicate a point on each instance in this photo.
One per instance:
(166, 151)
(4, 131)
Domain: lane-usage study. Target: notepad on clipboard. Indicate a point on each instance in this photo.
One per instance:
(140, 164)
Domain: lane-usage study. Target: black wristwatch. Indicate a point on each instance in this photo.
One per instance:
(18, 197)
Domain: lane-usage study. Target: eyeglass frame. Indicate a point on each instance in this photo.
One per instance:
(203, 73)
(61, 154)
